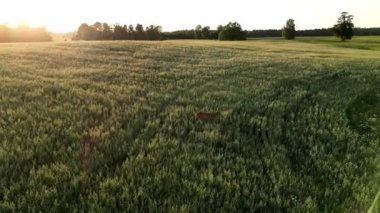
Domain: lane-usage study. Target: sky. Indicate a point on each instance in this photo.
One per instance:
(67, 15)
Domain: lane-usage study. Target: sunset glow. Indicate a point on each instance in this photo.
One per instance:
(64, 16)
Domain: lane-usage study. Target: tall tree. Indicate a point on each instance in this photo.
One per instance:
(131, 32)
(139, 32)
(289, 30)
(206, 32)
(119, 32)
(98, 26)
(232, 31)
(198, 32)
(86, 32)
(153, 32)
(99, 30)
(214, 34)
(344, 29)
(219, 29)
(107, 31)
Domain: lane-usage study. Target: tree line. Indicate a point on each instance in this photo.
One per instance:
(104, 31)
(343, 29)
(230, 31)
(23, 33)
(313, 32)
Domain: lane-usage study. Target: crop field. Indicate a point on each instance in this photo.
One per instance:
(111, 126)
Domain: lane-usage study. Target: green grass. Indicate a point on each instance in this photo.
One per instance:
(110, 126)
(375, 206)
(360, 42)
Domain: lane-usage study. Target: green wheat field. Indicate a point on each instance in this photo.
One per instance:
(111, 126)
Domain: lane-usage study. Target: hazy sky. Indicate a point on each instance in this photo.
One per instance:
(67, 15)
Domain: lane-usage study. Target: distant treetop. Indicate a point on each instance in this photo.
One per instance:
(232, 31)
(289, 30)
(344, 29)
(104, 31)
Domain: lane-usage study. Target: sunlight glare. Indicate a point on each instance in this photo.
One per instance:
(64, 16)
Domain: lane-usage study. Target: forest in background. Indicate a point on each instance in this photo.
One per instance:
(314, 32)
(105, 31)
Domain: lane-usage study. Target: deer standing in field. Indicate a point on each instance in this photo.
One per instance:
(206, 116)
(89, 143)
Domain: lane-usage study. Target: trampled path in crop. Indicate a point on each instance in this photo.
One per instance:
(111, 126)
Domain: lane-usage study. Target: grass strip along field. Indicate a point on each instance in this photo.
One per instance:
(110, 126)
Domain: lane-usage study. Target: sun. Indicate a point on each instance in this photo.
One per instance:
(38, 13)
(15, 13)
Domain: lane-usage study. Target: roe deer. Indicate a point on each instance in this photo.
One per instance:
(89, 143)
(206, 116)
